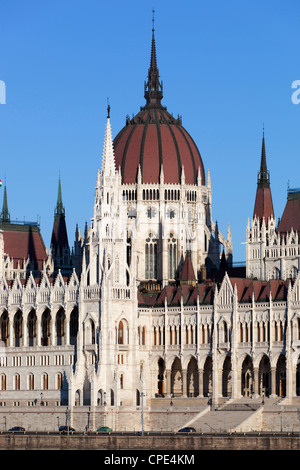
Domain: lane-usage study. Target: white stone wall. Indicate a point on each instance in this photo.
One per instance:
(268, 254)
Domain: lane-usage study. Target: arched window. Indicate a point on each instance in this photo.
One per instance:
(60, 326)
(77, 398)
(59, 381)
(225, 332)
(90, 336)
(4, 328)
(275, 274)
(18, 321)
(151, 257)
(172, 256)
(30, 382)
(44, 381)
(46, 328)
(112, 397)
(293, 272)
(121, 333)
(16, 382)
(74, 325)
(138, 398)
(31, 326)
(143, 335)
(3, 382)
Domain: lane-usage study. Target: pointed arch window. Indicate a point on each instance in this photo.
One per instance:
(3, 382)
(293, 272)
(143, 336)
(31, 327)
(121, 333)
(60, 326)
(275, 274)
(172, 256)
(59, 381)
(4, 328)
(45, 381)
(30, 382)
(73, 325)
(18, 324)
(151, 257)
(46, 317)
(16, 382)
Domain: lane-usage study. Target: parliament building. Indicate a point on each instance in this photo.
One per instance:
(147, 306)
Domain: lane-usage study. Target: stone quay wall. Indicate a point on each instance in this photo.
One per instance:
(148, 443)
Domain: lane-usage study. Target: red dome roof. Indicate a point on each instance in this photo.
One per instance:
(154, 138)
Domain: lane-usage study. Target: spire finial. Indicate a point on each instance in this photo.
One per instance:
(108, 109)
(5, 216)
(59, 210)
(153, 87)
(263, 175)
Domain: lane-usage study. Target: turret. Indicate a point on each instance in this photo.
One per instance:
(59, 247)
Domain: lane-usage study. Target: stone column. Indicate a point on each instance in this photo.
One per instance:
(52, 330)
(215, 379)
(24, 332)
(200, 382)
(168, 381)
(273, 381)
(67, 325)
(290, 379)
(11, 331)
(165, 260)
(38, 330)
(256, 382)
(184, 382)
(235, 386)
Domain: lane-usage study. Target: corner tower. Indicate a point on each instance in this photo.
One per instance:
(263, 225)
(263, 208)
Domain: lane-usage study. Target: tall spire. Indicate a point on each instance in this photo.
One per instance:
(59, 210)
(263, 207)
(263, 179)
(59, 238)
(108, 157)
(5, 215)
(153, 87)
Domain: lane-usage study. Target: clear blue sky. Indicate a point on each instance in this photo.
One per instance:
(227, 68)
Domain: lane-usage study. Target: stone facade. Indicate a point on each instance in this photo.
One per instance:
(147, 304)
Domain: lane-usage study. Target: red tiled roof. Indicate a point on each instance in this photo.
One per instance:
(262, 290)
(263, 204)
(23, 241)
(188, 273)
(291, 215)
(154, 138)
(59, 238)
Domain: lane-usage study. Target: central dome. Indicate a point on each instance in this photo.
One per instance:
(155, 140)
